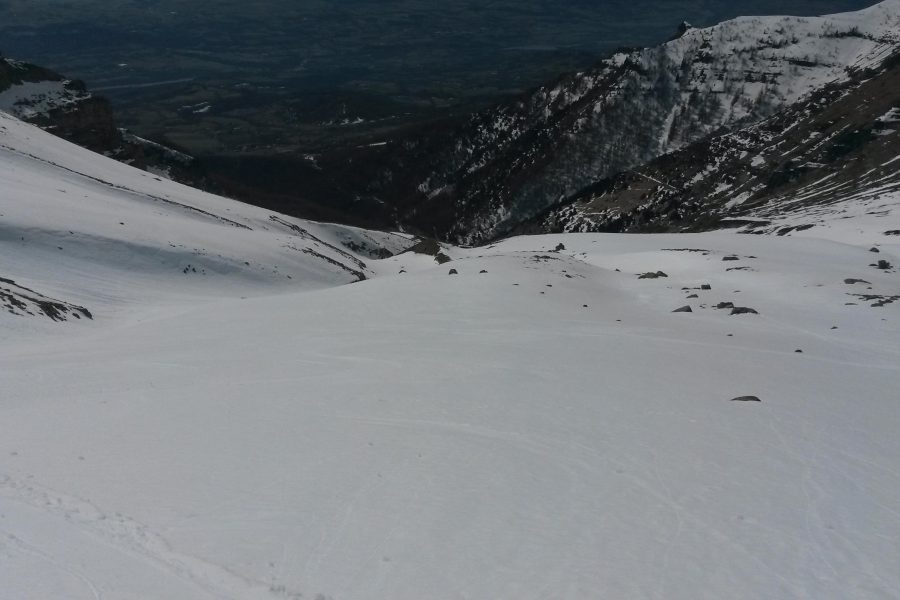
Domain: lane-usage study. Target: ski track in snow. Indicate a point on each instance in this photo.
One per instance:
(125, 535)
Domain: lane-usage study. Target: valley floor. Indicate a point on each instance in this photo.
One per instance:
(540, 425)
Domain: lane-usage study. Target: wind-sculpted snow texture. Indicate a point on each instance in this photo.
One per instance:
(515, 161)
(243, 418)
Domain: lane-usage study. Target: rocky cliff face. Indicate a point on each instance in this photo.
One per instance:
(840, 143)
(67, 109)
(506, 165)
(63, 106)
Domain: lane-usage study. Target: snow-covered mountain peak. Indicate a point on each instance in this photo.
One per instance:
(750, 66)
(516, 160)
(879, 22)
(827, 161)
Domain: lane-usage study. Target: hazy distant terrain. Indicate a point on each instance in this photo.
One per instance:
(235, 76)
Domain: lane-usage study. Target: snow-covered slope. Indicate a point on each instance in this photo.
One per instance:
(81, 228)
(538, 425)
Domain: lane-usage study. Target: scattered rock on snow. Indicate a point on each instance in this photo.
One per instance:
(743, 310)
(683, 309)
(879, 299)
(705, 286)
(722, 305)
(855, 281)
(453, 272)
(729, 258)
(746, 399)
(652, 275)
(21, 301)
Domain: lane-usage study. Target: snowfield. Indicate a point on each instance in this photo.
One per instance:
(257, 408)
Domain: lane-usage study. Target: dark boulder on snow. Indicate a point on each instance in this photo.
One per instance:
(746, 399)
(722, 305)
(743, 310)
(652, 275)
(683, 309)
(453, 272)
(855, 281)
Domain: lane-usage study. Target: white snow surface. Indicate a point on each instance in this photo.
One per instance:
(233, 433)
